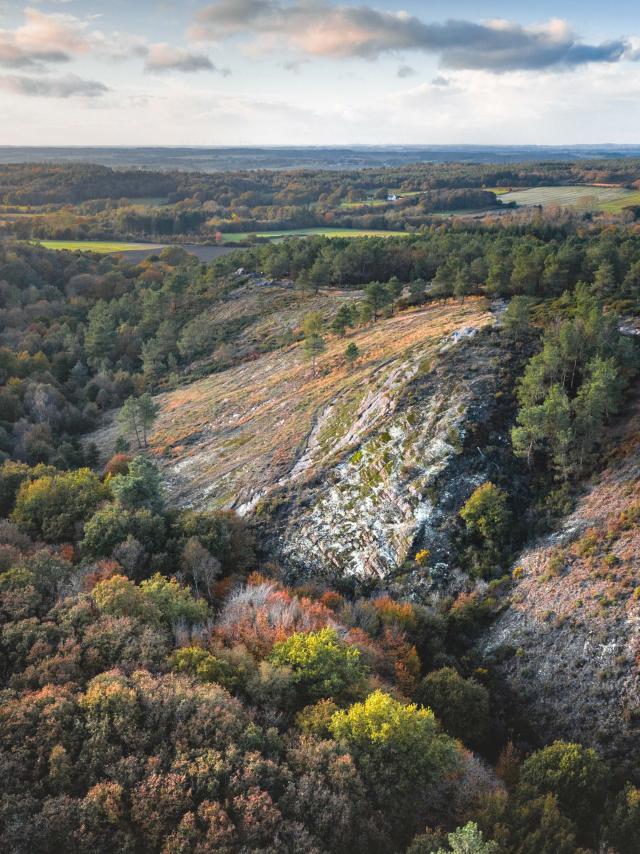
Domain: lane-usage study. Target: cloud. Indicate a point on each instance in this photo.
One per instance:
(162, 57)
(406, 71)
(316, 28)
(52, 87)
(42, 39)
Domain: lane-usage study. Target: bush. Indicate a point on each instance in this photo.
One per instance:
(111, 525)
(323, 666)
(573, 773)
(462, 705)
(400, 752)
(53, 508)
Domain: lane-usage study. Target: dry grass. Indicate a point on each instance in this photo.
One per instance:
(594, 574)
(229, 437)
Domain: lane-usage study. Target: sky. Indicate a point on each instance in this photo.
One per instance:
(319, 72)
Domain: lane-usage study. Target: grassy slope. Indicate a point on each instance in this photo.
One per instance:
(222, 438)
(573, 623)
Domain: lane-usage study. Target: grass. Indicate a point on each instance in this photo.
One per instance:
(103, 247)
(239, 431)
(589, 197)
(240, 237)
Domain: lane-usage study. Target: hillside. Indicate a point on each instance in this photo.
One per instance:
(568, 642)
(354, 452)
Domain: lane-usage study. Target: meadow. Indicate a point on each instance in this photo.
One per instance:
(243, 236)
(611, 199)
(102, 247)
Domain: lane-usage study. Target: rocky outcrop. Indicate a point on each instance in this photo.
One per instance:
(567, 646)
(406, 455)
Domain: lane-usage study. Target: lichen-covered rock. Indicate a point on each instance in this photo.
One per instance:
(403, 458)
(567, 646)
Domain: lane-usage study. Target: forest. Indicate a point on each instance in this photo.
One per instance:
(83, 201)
(166, 685)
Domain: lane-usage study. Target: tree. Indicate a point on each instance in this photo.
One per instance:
(53, 508)
(139, 487)
(112, 525)
(461, 705)
(486, 516)
(100, 336)
(517, 317)
(399, 751)
(314, 344)
(323, 666)
(377, 296)
(319, 274)
(342, 320)
(462, 283)
(573, 773)
(469, 840)
(138, 415)
(200, 567)
(352, 353)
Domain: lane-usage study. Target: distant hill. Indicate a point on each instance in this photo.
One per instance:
(218, 159)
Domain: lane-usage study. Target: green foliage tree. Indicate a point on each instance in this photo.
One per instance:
(469, 840)
(623, 826)
(487, 519)
(113, 525)
(139, 487)
(461, 705)
(314, 343)
(517, 317)
(352, 353)
(572, 773)
(323, 666)
(571, 388)
(53, 508)
(343, 320)
(462, 283)
(137, 416)
(400, 752)
(158, 599)
(377, 296)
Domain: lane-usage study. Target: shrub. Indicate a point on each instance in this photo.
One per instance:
(462, 705)
(573, 773)
(54, 507)
(400, 752)
(323, 666)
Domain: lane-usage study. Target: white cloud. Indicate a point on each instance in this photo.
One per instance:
(317, 28)
(52, 87)
(163, 57)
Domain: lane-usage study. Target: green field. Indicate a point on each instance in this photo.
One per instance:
(103, 247)
(305, 232)
(612, 199)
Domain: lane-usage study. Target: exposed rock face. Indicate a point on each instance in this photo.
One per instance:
(568, 644)
(405, 458)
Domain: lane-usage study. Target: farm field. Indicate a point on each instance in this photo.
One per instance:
(612, 199)
(240, 237)
(103, 247)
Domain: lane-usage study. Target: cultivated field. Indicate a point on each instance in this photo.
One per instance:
(303, 232)
(103, 247)
(613, 199)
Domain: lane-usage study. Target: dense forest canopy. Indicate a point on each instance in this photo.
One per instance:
(165, 687)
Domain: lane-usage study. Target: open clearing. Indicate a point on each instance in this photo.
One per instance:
(612, 199)
(103, 247)
(231, 436)
(230, 237)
